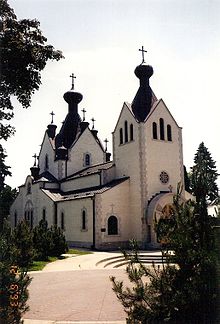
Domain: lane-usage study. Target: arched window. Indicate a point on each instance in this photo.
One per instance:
(169, 133)
(62, 223)
(83, 220)
(112, 225)
(121, 136)
(55, 218)
(15, 219)
(131, 132)
(154, 130)
(28, 188)
(161, 129)
(87, 160)
(46, 162)
(28, 214)
(44, 214)
(126, 131)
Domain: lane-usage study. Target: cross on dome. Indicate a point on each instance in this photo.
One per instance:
(73, 77)
(93, 121)
(35, 159)
(106, 144)
(84, 112)
(143, 51)
(52, 114)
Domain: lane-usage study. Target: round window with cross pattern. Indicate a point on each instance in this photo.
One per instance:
(164, 177)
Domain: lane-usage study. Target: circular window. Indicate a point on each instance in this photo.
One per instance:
(164, 177)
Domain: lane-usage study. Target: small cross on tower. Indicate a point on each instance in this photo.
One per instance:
(93, 121)
(106, 145)
(35, 159)
(73, 77)
(84, 112)
(143, 51)
(52, 114)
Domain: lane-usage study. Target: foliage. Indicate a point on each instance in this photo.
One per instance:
(13, 282)
(42, 238)
(7, 196)
(59, 242)
(39, 265)
(183, 290)
(23, 240)
(203, 176)
(186, 179)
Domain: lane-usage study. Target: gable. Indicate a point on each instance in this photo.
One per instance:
(125, 114)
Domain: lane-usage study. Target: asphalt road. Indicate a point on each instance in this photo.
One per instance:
(84, 295)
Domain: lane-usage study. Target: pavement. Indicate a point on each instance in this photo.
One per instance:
(77, 290)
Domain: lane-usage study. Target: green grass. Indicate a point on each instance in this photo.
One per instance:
(39, 265)
(78, 252)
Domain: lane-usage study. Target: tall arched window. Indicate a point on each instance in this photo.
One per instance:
(169, 133)
(83, 220)
(154, 130)
(87, 159)
(44, 214)
(28, 214)
(112, 225)
(161, 129)
(15, 219)
(126, 131)
(46, 162)
(121, 135)
(62, 223)
(131, 132)
(28, 188)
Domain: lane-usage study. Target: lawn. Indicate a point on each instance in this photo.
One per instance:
(78, 252)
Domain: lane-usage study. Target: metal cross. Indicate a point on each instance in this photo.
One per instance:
(106, 144)
(52, 114)
(35, 159)
(84, 111)
(73, 77)
(93, 121)
(143, 51)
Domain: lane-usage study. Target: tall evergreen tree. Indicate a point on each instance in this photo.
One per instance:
(7, 196)
(42, 238)
(204, 176)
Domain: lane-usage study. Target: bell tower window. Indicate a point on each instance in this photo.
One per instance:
(87, 159)
(126, 131)
(169, 133)
(161, 129)
(121, 135)
(46, 162)
(154, 130)
(131, 132)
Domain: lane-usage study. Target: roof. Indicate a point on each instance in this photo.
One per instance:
(47, 177)
(90, 170)
(58, 195)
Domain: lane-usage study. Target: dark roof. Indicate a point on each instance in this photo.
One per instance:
(90, 170)
(58, 195)
(46, 176)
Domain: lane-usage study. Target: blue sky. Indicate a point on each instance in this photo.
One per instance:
(100, 41)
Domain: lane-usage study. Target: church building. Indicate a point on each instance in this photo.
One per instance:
(101, 202)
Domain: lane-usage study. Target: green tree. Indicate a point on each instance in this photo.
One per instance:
(24, 53)
(59, 242)
(183, 289)
(23, 240)
(42, 238)
(7, 196)
(203, 176)
(13, 281)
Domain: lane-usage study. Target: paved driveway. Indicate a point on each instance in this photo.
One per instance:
(84, 295)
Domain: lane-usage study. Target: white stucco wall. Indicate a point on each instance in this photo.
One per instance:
(163, 155)
(47, 149)
(88, 181)
(86, 144)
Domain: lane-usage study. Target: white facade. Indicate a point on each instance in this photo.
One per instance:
(101, 203)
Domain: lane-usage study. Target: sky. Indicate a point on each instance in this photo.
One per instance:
(100, 41)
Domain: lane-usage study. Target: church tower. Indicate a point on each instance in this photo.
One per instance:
(147, 147)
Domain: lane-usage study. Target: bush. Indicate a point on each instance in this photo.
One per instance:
(59, 242)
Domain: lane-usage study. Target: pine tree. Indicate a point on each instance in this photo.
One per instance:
(203, 176)
(13, 281)
(23, 240)
(59, 242)
(42, 238)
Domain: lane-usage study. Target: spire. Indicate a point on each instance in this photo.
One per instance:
(51, 128)
(71, 125)
(141, 104)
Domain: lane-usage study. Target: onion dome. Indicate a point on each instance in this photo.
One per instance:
(142, 102)
(35, 170)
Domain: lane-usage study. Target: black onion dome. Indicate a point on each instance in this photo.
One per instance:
(72, 97)
(143, 71)
(141, 104)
